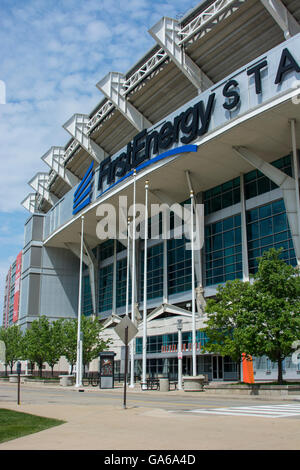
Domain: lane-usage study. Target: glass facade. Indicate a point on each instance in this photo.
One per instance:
(222, 196)
(155, 272)
(223, 250)
(122, 282)
(179, 267)
(105, 288)
(267, 227)
(87, 305)
(256, 183)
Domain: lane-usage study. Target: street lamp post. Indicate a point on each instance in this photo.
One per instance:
(79, 335)
(179, 328)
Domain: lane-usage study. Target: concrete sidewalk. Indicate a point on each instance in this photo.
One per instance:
(110, 427)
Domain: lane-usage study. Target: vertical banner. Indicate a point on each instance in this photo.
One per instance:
(17, 287)
(248, 374)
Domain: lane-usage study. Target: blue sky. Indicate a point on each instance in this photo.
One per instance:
(52, 55)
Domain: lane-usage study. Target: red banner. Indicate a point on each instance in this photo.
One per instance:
(17, 287)
(248, 373)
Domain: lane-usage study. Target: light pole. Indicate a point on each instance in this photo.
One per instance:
(79, 336)
(179, 328)
(133, 281)
(193, 288)
(144, 366)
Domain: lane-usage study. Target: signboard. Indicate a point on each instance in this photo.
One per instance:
(121, 327)
(17, 287)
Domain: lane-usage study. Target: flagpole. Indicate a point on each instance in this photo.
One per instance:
(128, 263)
(133, 281)
(79, 339)
(144, 367)
(193, 288)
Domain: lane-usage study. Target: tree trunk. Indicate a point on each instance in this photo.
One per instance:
(41, 370)
(279, 362)
(239, 364)
(52, 367)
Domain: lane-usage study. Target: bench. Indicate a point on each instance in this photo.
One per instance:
(91, 380)
(150, 384)
(174, 383)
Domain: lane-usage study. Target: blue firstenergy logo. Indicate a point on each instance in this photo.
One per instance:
(83, 194)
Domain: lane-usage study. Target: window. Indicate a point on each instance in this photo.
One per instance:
(105, 288)
(155, 261)
(223, 250)
(122, 282)
(222, 196)
(256, 183)
(106, 249)
(267, 227)
(179, 266)
(87, 305)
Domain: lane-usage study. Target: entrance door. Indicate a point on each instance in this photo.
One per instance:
(218, 366)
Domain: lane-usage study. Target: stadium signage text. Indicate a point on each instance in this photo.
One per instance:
(186, 126)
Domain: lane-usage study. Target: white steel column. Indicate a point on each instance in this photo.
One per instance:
(282, 16)
(79, 339)
(244, 230)
(144, 363)
(166, 33)
(40, 184)
(199, 218)
(296, 169)
(113, 87)
(30, 203)
(193, 289)
(76, 126)
(133, 281)
(55, 158)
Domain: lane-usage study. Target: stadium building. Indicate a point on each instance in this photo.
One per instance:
(212, 108)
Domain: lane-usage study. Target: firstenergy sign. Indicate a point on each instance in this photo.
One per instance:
(250, 87)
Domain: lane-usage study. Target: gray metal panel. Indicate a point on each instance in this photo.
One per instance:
(33, 294)
(36, 255)
(59, 283)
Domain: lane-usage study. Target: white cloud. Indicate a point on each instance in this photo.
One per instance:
(52, 55)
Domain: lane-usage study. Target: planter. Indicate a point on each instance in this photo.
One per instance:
(254, 389)
(193, 383)
(13, 378)
(66, 380)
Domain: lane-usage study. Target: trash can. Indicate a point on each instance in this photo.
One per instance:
(164, 384)
(106, 369)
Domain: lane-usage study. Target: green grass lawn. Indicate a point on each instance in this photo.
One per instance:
(14, 424)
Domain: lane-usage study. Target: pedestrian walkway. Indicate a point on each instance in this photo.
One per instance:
(272, 411)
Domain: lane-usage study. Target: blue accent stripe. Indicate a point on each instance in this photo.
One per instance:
(83, 181)
(87, 181)
(169, 153)
(85, 203)
(83, 195)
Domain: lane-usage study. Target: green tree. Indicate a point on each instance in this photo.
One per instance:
(92, 343)
(13, 339)
(260, 317)
(36, 342)
(69, 342)
(55, 346)
(273, 308)
(225, 314)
